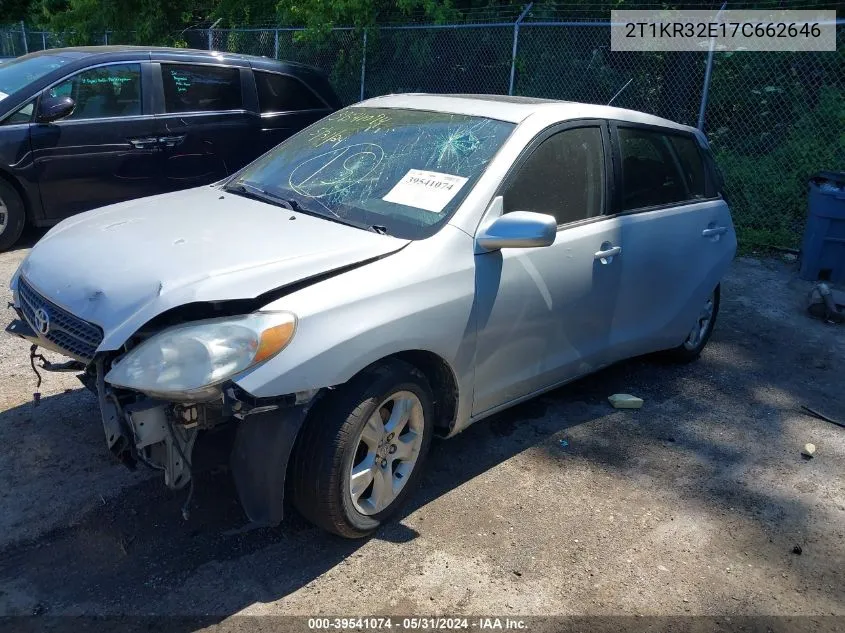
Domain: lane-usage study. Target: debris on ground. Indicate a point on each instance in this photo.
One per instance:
(809, 450)
(821, 416)
(797, 549)
(564, 443)
(825, 303)
(625, 401)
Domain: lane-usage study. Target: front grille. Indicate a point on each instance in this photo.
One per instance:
(78, 338)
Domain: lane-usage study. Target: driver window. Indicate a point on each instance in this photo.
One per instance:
(105, 92)
(563, 177)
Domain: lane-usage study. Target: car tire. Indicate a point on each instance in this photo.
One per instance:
(12, 215)
(691, 348)
(364, 425)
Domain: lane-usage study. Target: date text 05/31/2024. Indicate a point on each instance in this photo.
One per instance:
(416, 623)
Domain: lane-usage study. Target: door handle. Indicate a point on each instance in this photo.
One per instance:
(714, 231)
(148, 142)
(606, 256)
(170, 141)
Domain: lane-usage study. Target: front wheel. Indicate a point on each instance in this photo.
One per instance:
(12, 215)
(362, 449)
(700, 333)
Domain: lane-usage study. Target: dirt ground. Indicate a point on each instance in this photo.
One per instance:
(563, 505)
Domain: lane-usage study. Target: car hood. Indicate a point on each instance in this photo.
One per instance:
(122, 265)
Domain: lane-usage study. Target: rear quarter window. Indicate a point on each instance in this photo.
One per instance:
(283, 93)
(692, 165)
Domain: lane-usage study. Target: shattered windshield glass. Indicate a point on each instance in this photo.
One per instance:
(403, 172)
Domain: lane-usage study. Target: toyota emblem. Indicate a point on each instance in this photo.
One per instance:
(42, 320)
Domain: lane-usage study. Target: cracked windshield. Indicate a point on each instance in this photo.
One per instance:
(399, 172)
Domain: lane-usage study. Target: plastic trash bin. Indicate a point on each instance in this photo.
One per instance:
(823, 248)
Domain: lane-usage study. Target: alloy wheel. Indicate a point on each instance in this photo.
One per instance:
(702, 324)
(386, 452)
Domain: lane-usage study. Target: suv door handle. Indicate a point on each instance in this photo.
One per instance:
(170, 141)
(607, 256)
(148, 142)
(714, 231)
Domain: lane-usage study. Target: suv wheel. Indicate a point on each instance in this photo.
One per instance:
(700, 333)
(362, 449)
(12, 215)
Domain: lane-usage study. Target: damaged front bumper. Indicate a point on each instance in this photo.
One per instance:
(162, 434)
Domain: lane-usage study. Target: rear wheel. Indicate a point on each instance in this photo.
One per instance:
(12, 215)
(362, 448)
(700, 333)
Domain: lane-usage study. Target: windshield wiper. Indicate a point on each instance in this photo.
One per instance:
(252, 190)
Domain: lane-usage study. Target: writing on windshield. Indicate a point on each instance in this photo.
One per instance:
(404, 169)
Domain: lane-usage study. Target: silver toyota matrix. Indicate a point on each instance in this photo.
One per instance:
(398, 270)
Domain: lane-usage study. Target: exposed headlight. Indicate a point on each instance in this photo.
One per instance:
(189, 361)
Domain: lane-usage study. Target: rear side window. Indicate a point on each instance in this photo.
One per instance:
(659, 168)
(563, 177)
(201, 88)
(282, 93)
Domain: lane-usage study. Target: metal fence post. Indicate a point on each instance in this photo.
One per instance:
(25, 43)
(363, 65)
(210, 39)
(106, 37)
(276, 46)
(44, 40)
(515, 42)
(708, 73)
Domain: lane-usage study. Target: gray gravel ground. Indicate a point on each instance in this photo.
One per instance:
(691, 505)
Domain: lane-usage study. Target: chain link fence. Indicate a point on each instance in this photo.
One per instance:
(774, 118)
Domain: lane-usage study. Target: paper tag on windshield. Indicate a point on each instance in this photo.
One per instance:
(429, 190)
(3, 95)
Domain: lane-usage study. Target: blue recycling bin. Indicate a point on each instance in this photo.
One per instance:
(823, 248)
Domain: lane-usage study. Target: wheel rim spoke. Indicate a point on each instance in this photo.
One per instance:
(362, 476)
(407, 447)
(383, 492)
(699, 330)
(386, 452)
(399, 416)
(373, 431)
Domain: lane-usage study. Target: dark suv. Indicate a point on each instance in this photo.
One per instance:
(85, 127)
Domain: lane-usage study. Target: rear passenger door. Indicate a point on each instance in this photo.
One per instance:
(287, 105)
(207, 122)
(677, 234)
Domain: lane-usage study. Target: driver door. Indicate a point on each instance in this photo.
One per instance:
(545, 313)
(105, 151)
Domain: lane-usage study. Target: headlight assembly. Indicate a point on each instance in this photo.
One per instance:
(189, 361)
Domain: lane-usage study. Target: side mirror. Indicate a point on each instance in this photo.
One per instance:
(54, 108)
(518, 229)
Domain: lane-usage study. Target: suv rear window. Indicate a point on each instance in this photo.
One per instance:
(190, 88)
(282, 93)
(659, 168)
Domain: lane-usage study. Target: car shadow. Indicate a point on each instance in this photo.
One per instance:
(135, 553)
